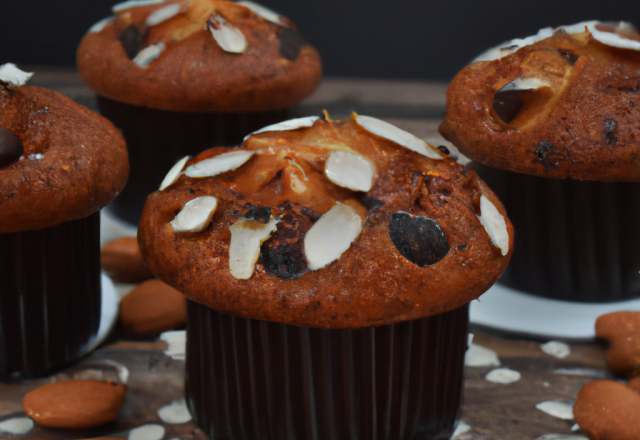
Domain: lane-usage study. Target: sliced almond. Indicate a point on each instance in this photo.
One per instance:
(17, 426)
(149, 54)
(135, 4)
(229, 38)
(219, 164)
(263, 12)
(397, 135)
(561, 410)
(494, 224)
(175, 413)
(331, 235)
(10, 73)
(508, 47)
(246, 238)
(99, 26)
(291, 124)
(503, 376)
(174, 173)
(352, 171)
(608, 38)
(195, 214)
(163, 14)
(526, 84)
(614, 40)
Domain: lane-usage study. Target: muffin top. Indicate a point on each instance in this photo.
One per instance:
(335, 224)
(563, 103)
(198, 55)
(59, 161)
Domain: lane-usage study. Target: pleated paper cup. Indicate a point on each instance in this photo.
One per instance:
(250, 379)
(50, 296)
(575, 240)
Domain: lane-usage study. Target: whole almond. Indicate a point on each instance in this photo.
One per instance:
(75, 404)
(122, 261)
(622, 331)
(608, 410)
(153, 307)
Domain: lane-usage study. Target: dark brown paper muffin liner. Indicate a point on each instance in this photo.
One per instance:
(157, 139)
(575, 240)
(249, 379)
(50, 296)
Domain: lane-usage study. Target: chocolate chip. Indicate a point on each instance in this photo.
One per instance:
(261, 214)
(547, 155)
(291, 42)
(371, 203)
(610, 126)
(632, 90)
(444, 149)
(10, 147)
(283, 254)
(419, 239)
(314, 216)
(568, 55)
(131, 40)
(462, 247)
(507, 105)
(191, 191)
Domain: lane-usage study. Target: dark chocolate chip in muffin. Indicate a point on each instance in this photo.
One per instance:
(291, 42)
(569, 55)
(10, 147)
(283, 254)
(371, 203)
(507, 105)
(131, 40)
(444, 149)
(419, 239)
(547, 155)
(261, 214)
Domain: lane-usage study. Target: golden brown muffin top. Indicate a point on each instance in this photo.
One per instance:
(562, 103)
(337, 224)
(199, 55)
(59, 161)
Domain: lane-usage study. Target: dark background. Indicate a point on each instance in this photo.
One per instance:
(406, 39)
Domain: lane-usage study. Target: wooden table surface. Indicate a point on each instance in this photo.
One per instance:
(493, 411)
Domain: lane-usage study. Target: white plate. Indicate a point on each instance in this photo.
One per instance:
(512, 311)
(111, 228)
(109, 309)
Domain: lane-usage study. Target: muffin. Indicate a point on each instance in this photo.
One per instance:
(181, 76)
(551, 121)
(329, 267)
(59, 164)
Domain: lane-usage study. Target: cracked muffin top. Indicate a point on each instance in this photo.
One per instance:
(335, 224)
(562, 103)
(200, 56)
(59, 161)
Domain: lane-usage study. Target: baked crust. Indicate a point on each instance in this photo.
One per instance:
(583, 125)
(74, 161)
(372, 283)
(193, 73)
